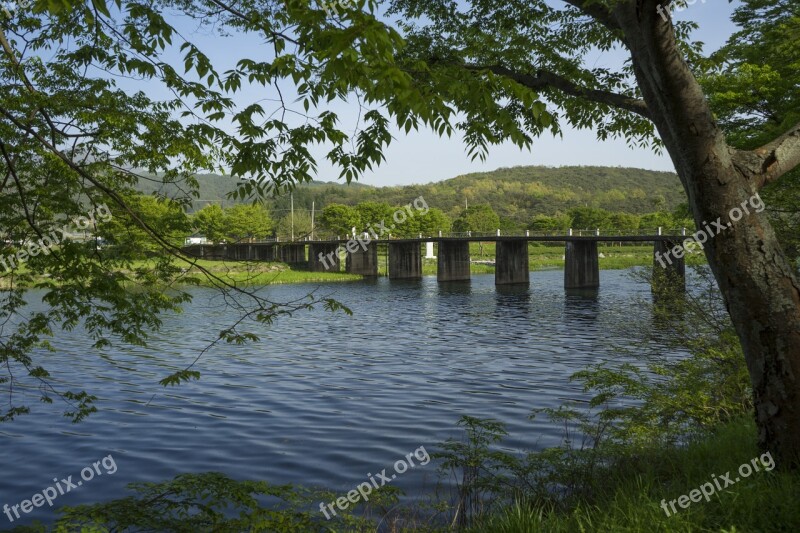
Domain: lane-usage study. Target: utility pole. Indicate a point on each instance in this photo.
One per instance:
(312, 220)
(291, 199)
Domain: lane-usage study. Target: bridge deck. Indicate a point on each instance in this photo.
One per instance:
(495, 238)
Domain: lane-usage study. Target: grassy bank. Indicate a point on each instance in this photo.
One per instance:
(255, 273)
(632, 495)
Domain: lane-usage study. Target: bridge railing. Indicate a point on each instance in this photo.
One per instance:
(571, 232)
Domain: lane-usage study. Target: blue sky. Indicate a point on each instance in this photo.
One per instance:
(422, 157)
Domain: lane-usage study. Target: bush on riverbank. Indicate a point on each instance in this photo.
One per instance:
(634, 487)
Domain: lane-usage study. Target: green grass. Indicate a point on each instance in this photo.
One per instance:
(764, 501)
(256, 273)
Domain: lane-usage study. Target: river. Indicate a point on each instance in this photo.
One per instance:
(324, 398)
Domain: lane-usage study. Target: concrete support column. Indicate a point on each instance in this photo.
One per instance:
(669, 265)
(195, 250)
(264, 252)
(215, 252)
(323, 257)
(293, 254)
(581, 270)
(363, 262)
(511, 262)
(237, 252)
(453, 262)
(405, 260)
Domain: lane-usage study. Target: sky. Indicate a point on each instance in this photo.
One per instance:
(423, 157)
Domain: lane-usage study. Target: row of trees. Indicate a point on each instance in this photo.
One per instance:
(247, 221)
(382, 219)
(340, 219)
(596, 218)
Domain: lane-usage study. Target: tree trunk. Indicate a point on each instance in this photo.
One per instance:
(758, 285)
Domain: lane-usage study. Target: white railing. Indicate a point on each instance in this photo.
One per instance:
(489, 235)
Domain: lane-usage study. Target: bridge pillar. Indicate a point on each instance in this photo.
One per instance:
(293, 253)
(264, 252)
(363, 262)
(324, 257)
(197, 251)
(405, 260)
(669, 265)
(511, 262)
(581, 270)
(453, 261)
(237, 252)
(216, 252)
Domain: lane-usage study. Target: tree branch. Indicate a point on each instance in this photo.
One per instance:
(549, 80)
(772, 160)
(597, 11)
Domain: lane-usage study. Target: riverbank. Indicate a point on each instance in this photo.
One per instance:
(718, 482)
(665, 490)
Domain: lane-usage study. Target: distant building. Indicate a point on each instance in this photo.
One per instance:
(195, 239)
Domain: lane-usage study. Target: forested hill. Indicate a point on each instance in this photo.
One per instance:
(516, 193)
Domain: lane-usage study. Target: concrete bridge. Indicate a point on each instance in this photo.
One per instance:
(581, 270)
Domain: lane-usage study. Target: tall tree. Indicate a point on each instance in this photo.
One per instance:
(165, 217)
(479, 218)
(373, 213)
(753, 90)
(247, 222)
(426, 223)
(297, 225)
(589, 217)
(340, 219)
(654, 100)
(210, 222)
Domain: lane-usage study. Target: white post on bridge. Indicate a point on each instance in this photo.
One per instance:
(429, 250)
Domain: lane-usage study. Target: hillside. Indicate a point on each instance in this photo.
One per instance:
(516, 193)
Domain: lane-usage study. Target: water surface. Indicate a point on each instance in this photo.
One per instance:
(325, 398)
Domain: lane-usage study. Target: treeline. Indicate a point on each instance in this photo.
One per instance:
(509, 199)
(515, 194)
(245, 222)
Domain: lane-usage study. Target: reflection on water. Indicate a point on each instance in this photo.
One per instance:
(324, 398)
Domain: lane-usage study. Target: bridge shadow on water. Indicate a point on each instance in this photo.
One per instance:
(460, 288)
(581, 305)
